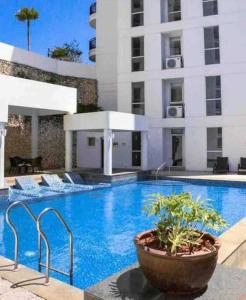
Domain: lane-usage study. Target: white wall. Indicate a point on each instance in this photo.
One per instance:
(106, 53)
(90, 157)
(22, 56)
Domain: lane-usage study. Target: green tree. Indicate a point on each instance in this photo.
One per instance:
(27, 15)
(68, 52)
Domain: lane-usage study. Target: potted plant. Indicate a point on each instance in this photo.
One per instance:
(179, 256)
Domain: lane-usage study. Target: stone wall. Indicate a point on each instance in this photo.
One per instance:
(51, 140)
(87, 88)
(18, 139)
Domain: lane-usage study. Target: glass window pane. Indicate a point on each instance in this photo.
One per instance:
(214, 145)
(91, 141)
(213, 87)
(212, 56)
(211, 37)
(137, 6)
(212, 139)
(136, 141)
(176, 93)
(137, 92)
(137, 20)
(138, 109)
(174, 17)
(214, 108)
(177, 131)
(138, 64)
(175, 46)
(212, 158)
(174, 10)
(210, 8)
(174, 5)
(138, 46)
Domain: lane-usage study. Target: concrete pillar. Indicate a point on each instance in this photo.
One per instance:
(34, 135)
(68, 150)
(108, 149)
(144, 150)
(2, 145)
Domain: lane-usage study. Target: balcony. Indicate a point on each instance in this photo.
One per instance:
(92, 17)
(92, 49)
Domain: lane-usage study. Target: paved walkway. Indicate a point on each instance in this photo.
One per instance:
(204, 175)
(7, 293)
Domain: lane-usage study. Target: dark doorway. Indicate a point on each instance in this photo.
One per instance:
(177, 150)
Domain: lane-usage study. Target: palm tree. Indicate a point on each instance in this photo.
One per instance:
(27, 15)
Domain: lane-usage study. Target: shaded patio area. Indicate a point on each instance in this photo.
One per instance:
(30, 98)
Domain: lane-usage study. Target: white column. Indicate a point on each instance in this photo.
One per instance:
(144, 150)
(108, 148)
(68, 150)
(34, 135)
(2, 145)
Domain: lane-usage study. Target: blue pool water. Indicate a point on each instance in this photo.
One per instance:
(104, 223)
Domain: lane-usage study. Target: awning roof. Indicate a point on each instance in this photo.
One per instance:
(111, 120)
(25, 95)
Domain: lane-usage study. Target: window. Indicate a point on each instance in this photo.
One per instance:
(176, 91)
(210, 7)
(175, 46)
(174, 10)
(138, 98)
(213, 95)
(136, 149)
(212, 45)
(138, 54)
(214, 145)
(91, 141)
(137, 13)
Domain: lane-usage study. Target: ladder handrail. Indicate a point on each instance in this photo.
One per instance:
(43, 235)
(159, 168)
(14, 230)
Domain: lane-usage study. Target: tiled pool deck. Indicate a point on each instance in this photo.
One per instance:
(193, 175)
(8, 293)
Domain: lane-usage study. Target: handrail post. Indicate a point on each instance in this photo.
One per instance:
(42, 234)
(12, 227)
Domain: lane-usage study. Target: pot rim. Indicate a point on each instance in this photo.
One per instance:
(162, 254)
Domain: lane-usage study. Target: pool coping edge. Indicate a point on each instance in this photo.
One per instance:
(55, 290)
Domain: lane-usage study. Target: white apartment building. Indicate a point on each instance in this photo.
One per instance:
(181, 64)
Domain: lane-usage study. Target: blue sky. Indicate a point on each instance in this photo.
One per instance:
(60, 21)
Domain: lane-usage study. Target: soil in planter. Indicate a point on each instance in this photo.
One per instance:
(206, 245)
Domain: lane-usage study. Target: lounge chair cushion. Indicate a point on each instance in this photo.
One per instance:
(26, 183)
(52, 180)
(74, 178)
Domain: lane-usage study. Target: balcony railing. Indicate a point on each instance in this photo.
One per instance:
(92, 44)
(93, 8)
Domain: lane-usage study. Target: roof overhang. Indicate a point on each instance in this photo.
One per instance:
(25, 96)
(110, 120)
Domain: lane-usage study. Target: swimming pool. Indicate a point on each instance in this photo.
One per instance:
(104, 223)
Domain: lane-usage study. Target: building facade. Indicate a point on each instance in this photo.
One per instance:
(181, 64)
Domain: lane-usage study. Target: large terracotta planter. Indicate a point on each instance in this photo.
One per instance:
(187, 274)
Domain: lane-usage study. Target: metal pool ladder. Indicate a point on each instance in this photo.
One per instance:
(41, 235)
